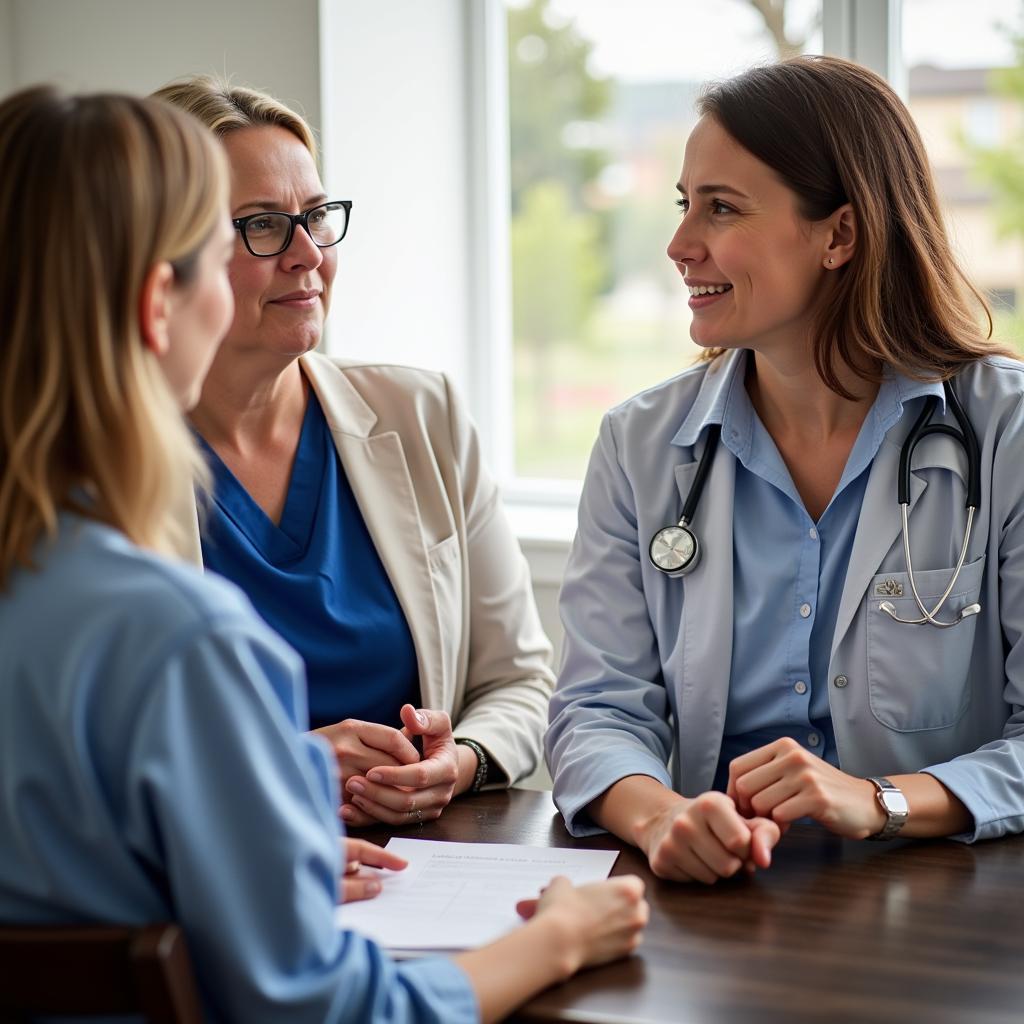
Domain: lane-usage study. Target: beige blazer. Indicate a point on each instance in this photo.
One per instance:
(412, 458)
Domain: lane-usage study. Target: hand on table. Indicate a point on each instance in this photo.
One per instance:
(706, 838)
(357, 884)
(408, 793)
(360, 746)
(785, 782)
(603, 920)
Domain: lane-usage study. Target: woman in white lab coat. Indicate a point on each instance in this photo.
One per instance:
(771, 673)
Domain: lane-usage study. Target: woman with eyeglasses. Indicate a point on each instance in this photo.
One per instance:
(352, 507)
(153, 767)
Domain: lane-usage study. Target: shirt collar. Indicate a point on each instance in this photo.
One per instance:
(715, 399)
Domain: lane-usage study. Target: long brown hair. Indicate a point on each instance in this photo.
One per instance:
(836, 133)
(95, 191)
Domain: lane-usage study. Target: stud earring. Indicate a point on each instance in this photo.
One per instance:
(830, 261)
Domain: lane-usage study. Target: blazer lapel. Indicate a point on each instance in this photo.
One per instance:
(707, 626)
(379, 477)
(378, 474)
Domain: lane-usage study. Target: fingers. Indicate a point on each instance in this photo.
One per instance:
(753, 773)
(705, 841)
(764, 836)
(425, 722)
(359, 887)
(431, 771)
(362, 851)
(388, 741)
(742, 766)
(625, 916)
(355, 818)
(358, 883)
(768, 801)
(399, 806)
(552, 892)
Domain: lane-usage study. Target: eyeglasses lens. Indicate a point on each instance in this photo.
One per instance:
(327, 223)
(268, 233)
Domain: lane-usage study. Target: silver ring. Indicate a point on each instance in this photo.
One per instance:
(415, 812)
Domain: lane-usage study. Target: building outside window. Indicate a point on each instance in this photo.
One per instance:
(966, 92)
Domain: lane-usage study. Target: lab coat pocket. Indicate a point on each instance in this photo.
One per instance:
(917, 674)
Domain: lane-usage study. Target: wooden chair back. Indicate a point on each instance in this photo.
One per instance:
(83, 970)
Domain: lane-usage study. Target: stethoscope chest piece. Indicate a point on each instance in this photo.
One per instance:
(674, 550)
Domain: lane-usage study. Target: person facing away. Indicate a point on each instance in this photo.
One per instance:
(352, 506)
(801, 669)
(154, 763)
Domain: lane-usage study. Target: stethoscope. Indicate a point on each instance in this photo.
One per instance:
(675, 550)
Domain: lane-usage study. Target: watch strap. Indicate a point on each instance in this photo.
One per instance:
(483, 763)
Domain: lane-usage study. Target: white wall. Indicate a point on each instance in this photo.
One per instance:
(138, 45)
(395, 143)
(7, 78)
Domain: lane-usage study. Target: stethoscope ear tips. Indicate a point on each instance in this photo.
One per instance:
(965, 613)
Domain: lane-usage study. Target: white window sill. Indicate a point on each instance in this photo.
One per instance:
(545, 529)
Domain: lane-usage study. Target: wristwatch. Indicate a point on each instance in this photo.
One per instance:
(894, 803)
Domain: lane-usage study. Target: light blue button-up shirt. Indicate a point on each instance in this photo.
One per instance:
(784, 622)
(788, 571)
(152, 768)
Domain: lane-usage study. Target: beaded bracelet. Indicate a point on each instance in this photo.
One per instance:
(482, 766)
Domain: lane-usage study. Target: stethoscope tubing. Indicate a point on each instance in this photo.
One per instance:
(663, 549)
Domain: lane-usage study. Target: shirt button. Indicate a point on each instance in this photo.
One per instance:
(812, 533)
(805, 610)
(800, 686)
(840, 681)
(814, 739)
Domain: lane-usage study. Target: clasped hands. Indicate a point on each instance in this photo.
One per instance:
(383, 776)
(715, 835)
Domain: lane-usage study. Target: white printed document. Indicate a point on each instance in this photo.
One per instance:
(456, 896)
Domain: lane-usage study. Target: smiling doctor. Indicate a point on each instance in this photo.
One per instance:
(766, 619)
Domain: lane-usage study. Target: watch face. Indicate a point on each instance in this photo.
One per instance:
(894, 802)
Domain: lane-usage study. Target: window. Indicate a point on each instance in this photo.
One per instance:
(600, 101)
(601, 97)
(966, 92)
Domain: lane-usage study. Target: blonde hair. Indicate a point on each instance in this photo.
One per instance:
(96, 191)
(226, 108)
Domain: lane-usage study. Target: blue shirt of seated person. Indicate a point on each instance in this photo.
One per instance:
(154, 768)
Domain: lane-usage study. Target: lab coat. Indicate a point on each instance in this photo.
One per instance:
(646, 667)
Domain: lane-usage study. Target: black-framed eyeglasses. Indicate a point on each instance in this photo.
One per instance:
(270, 233)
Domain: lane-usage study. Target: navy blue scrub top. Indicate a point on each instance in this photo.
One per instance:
(317, 580)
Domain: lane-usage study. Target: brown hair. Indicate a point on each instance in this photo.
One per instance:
(836, 133)
(226, 108)
(96, 190)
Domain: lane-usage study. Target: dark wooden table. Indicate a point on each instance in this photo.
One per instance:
(836, 931)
